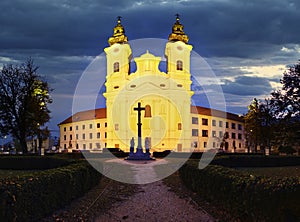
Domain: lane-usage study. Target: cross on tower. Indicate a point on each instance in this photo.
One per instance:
(119, 19)
(139, 109)
(177, 16)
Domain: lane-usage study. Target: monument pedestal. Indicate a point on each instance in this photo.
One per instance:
(139, 155)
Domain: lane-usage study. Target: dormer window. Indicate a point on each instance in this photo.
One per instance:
(116, 67)
(179, 65)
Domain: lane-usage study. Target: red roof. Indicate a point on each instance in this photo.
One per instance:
(101, 114)
(217, 113)
(86, 115)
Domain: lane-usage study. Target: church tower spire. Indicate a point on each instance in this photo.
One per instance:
(177, 32)
(119, 34)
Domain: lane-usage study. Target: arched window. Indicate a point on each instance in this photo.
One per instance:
(148, 111)
(179, 65)
(116, 67)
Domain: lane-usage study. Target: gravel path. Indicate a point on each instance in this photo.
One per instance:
(154, 202)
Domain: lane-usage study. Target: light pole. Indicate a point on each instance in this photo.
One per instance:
(3, 141)
(39, 139)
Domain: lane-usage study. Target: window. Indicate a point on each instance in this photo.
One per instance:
(194, 120)
(213, 122)
(220, 134)
(214, 144)
(65, 129)
(116, 67)
(148, 111)
(70, 128)
(105, 144)
(239, 136)
(194, 132)
(226, 135)
(179, 126)
(98, 125)
(98, 146)
(91, 135)
(83, 127)
(240, 145)
(233, 135)
(91, 145)
(240, 127)
(179, 147)
(65, 146)
(76, 127)
(195, 144)
(179, 65)
(220, 124)
(213, 133)
(105, 124)
(205, 144)
(77, 136)
(232, 125)
(105, 135)
(98, 135)
(204, 133)
(116, 126)
(83, 136)
(84, 146)
(227, 125)
(204, 122)
(70, 137)
(91, 126)
(65, 137)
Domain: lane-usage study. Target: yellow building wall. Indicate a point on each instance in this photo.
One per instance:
(83, 135)
(216, 132)
(168, 95)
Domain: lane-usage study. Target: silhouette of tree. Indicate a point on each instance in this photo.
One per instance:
(23, 102)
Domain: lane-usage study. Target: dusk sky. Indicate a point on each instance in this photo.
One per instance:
(248, 44)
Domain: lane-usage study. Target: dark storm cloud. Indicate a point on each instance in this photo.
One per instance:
(247, 86)
(62, 36)
(221, 28)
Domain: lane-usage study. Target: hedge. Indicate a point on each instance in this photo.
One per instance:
(249, 197)
(256, 161)
(31, 197)
(32, 162)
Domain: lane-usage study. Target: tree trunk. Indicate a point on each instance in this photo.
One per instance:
(23, 144)
(40, 144)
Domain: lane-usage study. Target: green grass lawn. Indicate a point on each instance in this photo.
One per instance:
(288, 171)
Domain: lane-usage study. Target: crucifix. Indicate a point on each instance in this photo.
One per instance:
(119, 19)
(139, 109)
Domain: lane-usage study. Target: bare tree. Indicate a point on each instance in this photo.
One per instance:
(23, 102)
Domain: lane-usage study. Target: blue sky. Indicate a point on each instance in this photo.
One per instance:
(248, 44)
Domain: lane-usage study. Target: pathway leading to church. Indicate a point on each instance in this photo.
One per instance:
(154, 202)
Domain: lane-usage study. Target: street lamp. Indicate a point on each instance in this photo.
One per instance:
(3, 141)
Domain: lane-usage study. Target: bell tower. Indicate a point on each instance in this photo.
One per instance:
(118, 56)
(177, 53)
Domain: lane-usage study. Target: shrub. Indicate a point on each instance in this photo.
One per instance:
(287, 149)
(32, 196)
(253, 198)
(256, 161)
(31, 162)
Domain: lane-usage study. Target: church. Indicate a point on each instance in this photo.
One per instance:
(159, 101)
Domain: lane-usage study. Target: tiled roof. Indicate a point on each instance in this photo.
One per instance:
(86, 115)
(217, 113)
(101, 114)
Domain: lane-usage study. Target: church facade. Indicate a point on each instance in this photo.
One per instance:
(168, 120)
